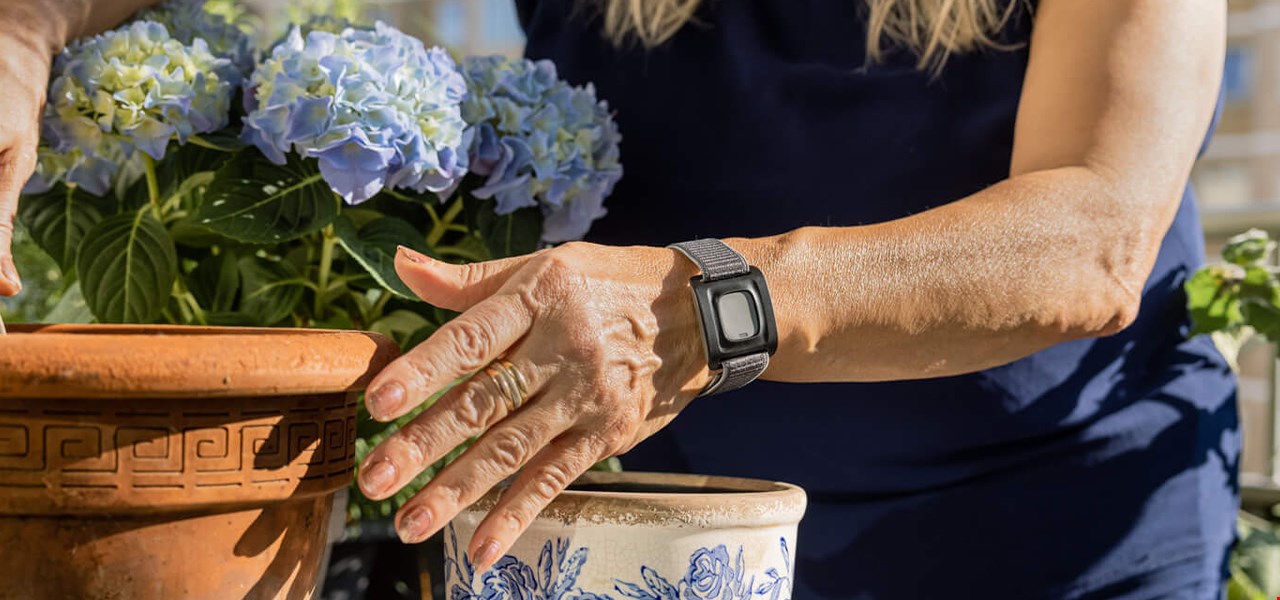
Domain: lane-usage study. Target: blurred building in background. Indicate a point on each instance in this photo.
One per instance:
(464, 26)
(1238, 182)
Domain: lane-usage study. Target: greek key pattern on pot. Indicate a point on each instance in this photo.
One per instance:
(148, 447)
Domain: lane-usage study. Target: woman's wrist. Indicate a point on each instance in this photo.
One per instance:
(679, 317)
(782, 260)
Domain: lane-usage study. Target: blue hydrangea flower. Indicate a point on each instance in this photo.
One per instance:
(128, 90)
(187, 20)
(538, 141)
(375, 107)
(96, 172)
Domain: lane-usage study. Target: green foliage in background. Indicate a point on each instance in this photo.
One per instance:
(1255, 565)
(1231, 301)
(41, 280)
(1239, 295)
(216, 234)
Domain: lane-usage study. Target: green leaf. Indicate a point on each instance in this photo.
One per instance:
(374, 246)
(608, 465)
(215, 281)
(504, 235)
(335, 318)
(127, 265)
(515, 234)
(1263, 317)
(400, 325)
(187, 232)
(468, 248)
(230, 319)
(1249, 248)
(226, 140)
(188, 167)
(58, 220)
(255, 201)
(271, 290)
(71, 308)
(1213, 299)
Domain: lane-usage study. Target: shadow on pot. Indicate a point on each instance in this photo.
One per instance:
(136, 463)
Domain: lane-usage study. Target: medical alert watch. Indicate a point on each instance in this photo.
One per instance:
(736, 314)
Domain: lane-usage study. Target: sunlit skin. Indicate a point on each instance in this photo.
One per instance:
(30, 34)
(1118, 96)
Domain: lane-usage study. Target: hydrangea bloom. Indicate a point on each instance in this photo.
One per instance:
(96, 172)
(187, 21)
(373, 105)
(131, 89)
(540, 142)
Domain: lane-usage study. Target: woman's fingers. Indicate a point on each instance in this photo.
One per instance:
(464, 412)
(455, 287)
(498, 454)
(16, 164)
(460, 347)
(544, 478)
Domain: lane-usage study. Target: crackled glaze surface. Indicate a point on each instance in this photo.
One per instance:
(736, 543)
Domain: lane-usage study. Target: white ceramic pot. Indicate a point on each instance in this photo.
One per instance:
(641, 536)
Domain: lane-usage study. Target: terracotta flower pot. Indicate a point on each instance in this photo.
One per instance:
(174, 462)
(617, 536)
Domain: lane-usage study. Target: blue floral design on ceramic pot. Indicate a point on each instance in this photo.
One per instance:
(711, 575)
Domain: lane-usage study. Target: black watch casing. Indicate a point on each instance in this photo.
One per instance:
(735, 311)
(726, 334)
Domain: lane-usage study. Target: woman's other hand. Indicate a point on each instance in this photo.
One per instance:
(27, 44)
(30, 34)
(607, 342)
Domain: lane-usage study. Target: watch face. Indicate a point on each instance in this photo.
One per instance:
(737, 315)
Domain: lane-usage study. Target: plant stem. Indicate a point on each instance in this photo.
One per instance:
(184, 295)
(327, 242)
(443, 224)
(153, 183)
(435, 216)
(376, 312)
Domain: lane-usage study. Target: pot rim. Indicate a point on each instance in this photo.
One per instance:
(749, 503)
(164, 361)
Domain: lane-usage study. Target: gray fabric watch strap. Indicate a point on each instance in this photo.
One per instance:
(718, 261)
(737, 372)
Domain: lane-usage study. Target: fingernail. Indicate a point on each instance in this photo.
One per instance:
(415, 525)
(10, 271)
(486, 555)
(377, 479)
(385, 399)
(414, 256)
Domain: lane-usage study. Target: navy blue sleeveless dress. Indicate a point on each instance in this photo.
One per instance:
(1101, 468)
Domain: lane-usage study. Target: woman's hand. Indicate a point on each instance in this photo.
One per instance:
(608, 342)
(30, 34)
(26, 53)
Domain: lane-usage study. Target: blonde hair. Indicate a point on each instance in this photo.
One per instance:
(932, 29)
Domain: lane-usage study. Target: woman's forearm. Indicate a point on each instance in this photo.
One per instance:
(56, 22)
(1031, 262)
(1106, 135)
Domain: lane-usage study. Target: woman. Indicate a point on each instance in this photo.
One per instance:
(974, 221)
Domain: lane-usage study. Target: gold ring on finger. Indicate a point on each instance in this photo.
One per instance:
(510, 383)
